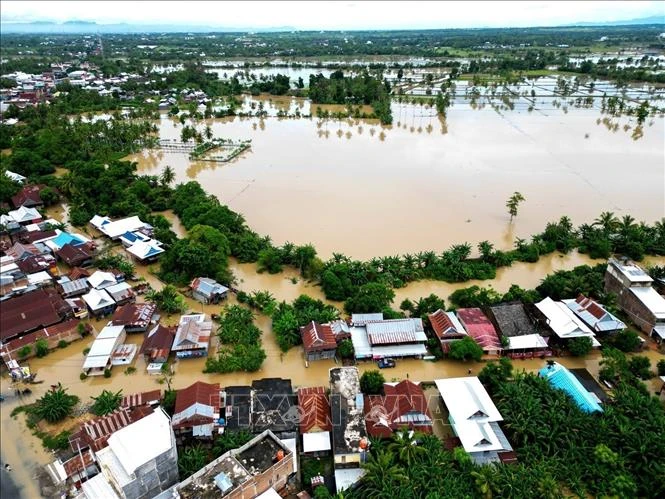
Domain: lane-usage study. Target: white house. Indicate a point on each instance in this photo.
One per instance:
(563, 322)
(99, 302)
(100, 279)
(115, 229)
(100, 354)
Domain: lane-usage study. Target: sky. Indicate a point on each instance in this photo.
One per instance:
(332, 15)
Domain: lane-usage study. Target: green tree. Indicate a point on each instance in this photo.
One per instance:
(106, 402)
(168, 299)
(495, 374)
(191, 460)
(168, 176)
(41, 347)
(345, 349)
(55, 405)
(405, 447)
(229, 440)
(368, 298)
(661, 367)
(371, 382)
(626, 340)
(513, 203)
(640, 366)
(580, 346)
(465, 349)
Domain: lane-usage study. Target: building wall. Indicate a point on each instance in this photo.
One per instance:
(639, 314)
(275, 477)
(350, 460)
(320, 355)
(154, 477)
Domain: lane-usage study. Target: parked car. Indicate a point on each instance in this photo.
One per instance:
(385, 363)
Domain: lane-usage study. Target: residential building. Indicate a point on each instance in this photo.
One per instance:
(263, 463)
(475, 420)
(156, 345)
(73, 471)
(636, 297)
(145, 252)
(192, 338)
(403, 405)
(65, 331)
(594, 315)
(29, 196)
(75, 255)
(561, 378)
(446, 327)
(136, 317)
(71, 289)
(563, 322)
(101, 351)
(480, 328)
(238, 402)
(20, 251)
(315, 424)
(197, 410)
(208, 290)
(94, 433)
(318, 341)
(78, 307)
(151, 398)
(27, 312)
(350, 439)
(115, 229)
(65, 238)
(99, 302)
(121, 293)
(274, 407)
(24, 216)
(101, 280)
(376, 338)
(141, 460)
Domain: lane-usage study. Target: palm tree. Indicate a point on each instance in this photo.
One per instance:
(106, 402)
(192, 460)
(405, 446)
(55, 405)
(168, 176)
(381, 475)
(607, 221)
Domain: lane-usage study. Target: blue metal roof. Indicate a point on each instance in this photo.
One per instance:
(129, 236)
(67, 238)
(562, 379)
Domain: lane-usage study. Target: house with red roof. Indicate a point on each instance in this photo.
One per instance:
(157, 343)
(446, 327)
(403, 405)
(315, 423)
(94, 434)
(319, 341)
(197, 410)
(29, 196)
(480, 328)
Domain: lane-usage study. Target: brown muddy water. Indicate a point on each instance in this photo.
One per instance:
(358, 188)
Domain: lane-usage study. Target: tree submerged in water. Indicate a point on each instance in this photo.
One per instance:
(513, 203)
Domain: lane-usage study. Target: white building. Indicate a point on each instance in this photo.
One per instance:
(101, 351)
(376, 338)
(474, 418)
(140, 461)
(115, 229)
(563, 322)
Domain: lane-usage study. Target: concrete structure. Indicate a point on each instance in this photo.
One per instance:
(263, 463)
(141, 460)
(636, 297)
(350, 439)
(197, 410)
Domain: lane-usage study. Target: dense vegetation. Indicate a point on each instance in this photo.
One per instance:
(561, 450)
(240, 343)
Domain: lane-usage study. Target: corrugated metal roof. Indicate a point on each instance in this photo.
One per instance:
(563, 379)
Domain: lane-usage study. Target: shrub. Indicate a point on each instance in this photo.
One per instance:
(86, 351)
(371, 382)
(62, 344)
(24, 351)
(106, 402)
(640, 366)
(581, 346)
(130, 370)
(41, 347)
(465, 349)
(107, 373)
(55, 405)
(661, 367)
(345, 349)
(627, 340)
(83, 376)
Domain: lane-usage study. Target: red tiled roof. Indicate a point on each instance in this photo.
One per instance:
(76, 465)
(134, 314)
(382, 412)
(49, 332)
(29, 194)
(158, 339)
(139, 399)
(96, 432)
(317, 337)
(74, 255)
(314, 409)
(442, 325)
(29, 311)
(199, 392)
(479, 327)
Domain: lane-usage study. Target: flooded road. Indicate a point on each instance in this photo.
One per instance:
(358, 188)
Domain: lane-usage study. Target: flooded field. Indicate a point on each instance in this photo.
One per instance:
(365, 190)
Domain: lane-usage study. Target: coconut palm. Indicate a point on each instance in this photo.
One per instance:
(382, 475)
(106, 402)
(406, 447)
(168, 176)
(608, 221)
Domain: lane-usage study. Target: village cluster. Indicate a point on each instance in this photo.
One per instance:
(48, 287)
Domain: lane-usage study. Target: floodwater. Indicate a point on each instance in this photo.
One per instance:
(358, 188)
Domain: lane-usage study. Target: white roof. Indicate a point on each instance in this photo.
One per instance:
(97, 298)
(526, 341)
(140, 442)
(562, 320)
(16, 177)
(145, 249)
(410, 350)
(24, 214)
(100, 279)
(98, 488)
(651, 299)
(271, 493)
(103, 347)
(117, 288)
(477, 437)
(344, 478)
(110, 332)
(467, 400)
(360, 342)
(316, 441)
(290, 444)
(39, 277)
(97, 221)
(632, 272)
(119, 227)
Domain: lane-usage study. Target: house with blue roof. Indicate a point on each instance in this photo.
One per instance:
(65, 238)
(562, 379)
(130, 238)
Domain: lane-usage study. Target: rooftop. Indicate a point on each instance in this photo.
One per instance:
(446, 324)
(273, 405)
(630, 271)
(563, 379)
(479, 327)
(651, 300)
(314, 409)
(346, 404)
(317, 337)
(134, 315)
(562, 320)
(29, 311)
(512, 319)
(594, 314)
